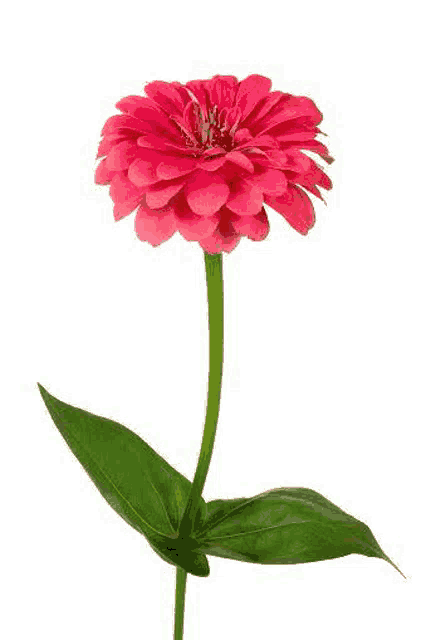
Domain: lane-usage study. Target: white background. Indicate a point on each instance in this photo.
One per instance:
(324, 374)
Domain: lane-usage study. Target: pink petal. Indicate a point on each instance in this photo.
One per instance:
(311, 145)
(190, 119)
(206, 192)
(174, 167)
(242, 135)
(216, 243)
(149, 112)
(260, 142)
(273, 158)
(240, 159)
(125, 208)
(153, 120)
(254, 227)
(250, 91)
(108, 142)
(245, 198)
(143, 173)
(231, 119)
(291, 136)
(161, 143)
(306, 184)
(166, 95)
(159, 195)
(116, 124)
(199, 89)
(296, 207)
(225, 238)
(213, 151)
(103, 175)
(324, 181)
(180, 88)
(270, 181)
(289, 109)
(312, 174)
(222, 90)
(211, 164)
(295, 160)
(121, 155)
(122, 189)
(195, 227)
(263, 107)
(130, 104)
(154, 226)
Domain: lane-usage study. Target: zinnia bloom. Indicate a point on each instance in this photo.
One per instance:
(203, 157)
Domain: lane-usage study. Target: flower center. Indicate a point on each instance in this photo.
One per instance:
(213, 130)
(204, 129)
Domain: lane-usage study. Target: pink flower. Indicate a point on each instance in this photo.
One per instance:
(203, 158)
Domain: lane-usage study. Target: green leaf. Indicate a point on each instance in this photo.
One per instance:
(284, 526)
(138, 483)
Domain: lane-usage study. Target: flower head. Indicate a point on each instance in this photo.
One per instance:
(203, 157)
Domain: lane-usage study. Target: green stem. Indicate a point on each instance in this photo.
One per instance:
(180, 602)
(214, 280)
(215, 302)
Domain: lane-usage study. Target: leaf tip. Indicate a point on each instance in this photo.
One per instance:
(42, 390)
(385, 557)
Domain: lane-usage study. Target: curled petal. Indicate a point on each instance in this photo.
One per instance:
(125, 195)
(108, 142)
(242, 135)
(271, 181)
(295, 160)
(143, 173)
(117, 124)
(311, 145)
(123, 209)
(254, 227)
(240, 159)
(245, 198)
(296, 207)
(260, 142)
(174, 167)
(225, 237)
(312, 174)
(158, 142)
(190, 225)
(211, 163)
(155, 227)
(160, 194)
(103, 175)
(206, 193)
(122, 155)
(121, 188)
(130, 104)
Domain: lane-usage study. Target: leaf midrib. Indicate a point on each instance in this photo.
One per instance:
(275, 526)
(249, 500)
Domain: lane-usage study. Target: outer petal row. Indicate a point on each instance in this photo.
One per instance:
(296, 207)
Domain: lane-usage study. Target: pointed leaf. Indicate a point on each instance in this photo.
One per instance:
(284, 526)
(138, 483)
